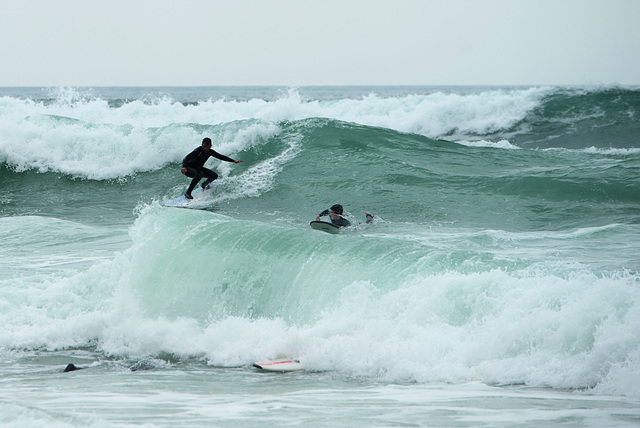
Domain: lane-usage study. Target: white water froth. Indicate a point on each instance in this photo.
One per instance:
(539, 327)
(87, 138)
(490, 327)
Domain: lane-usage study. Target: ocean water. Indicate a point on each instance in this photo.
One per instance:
(499, 285)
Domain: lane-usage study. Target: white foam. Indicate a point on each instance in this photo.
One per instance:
(83, 136)
(613, 151)
(502, 144)
(558, 327)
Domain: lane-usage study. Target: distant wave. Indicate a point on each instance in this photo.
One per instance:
(84, 135)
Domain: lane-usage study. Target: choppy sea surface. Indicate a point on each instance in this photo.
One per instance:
(499, 285)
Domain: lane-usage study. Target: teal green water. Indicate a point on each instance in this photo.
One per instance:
(501, 272)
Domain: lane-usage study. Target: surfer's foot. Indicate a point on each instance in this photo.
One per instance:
(188, 196)
(205, 186)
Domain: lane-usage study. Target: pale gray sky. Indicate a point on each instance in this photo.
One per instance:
(319, 42)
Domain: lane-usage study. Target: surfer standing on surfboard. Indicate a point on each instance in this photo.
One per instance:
(193, 165)
(335, 214)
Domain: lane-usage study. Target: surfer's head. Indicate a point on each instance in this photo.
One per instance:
(337, 208)
(206, 144)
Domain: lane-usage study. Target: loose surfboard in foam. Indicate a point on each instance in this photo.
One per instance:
(280, 365)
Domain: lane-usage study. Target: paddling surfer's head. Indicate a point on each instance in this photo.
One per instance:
(337, 208)
(335, 211)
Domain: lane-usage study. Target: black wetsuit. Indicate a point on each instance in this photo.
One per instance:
(194, 162)
(341, 222)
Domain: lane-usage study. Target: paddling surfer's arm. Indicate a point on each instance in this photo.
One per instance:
(322, 214)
